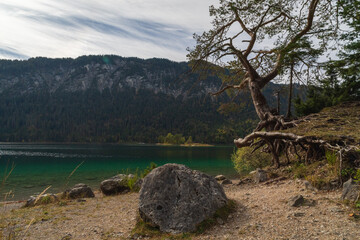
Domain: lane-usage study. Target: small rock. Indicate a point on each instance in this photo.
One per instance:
(296, 201)
(351, 190)
(299, 214)
(79, 191)
(67, 237)
(336, 210)
(226, 182)
(309, 187)
(115, 185)
(43, 199)
(220, 221)
(220, 177)
(309, 202)
(260, 176)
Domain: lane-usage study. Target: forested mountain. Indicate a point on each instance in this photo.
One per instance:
(115, 99)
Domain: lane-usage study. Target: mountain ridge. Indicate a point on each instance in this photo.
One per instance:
(108, 98)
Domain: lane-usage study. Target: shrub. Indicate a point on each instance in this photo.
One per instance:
(331, 157)
(148, 169)
(130, 181)
(245, 160)
(300, 170)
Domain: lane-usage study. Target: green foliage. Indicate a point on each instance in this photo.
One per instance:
(331, 157)
(357, 175)
(189, 140)
(342, 81)
(299, 170)
(245, 161)
(347, 172)
(148, 169)
(46, 199)
(172, 139)
(130, 181)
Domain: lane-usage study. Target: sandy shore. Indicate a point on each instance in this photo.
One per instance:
(262, 213)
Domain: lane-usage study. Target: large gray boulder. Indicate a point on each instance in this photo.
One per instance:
(351, 190)
(176, 199)
(116, 185)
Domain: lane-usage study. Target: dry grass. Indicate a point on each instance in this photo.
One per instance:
(333, 124)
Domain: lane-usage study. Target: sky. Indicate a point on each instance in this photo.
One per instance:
(129, 28)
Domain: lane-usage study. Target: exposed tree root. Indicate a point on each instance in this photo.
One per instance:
(279, 141)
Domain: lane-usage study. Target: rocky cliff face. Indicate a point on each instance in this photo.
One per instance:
(101, 72)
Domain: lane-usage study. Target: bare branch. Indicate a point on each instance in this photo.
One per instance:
(240, 86)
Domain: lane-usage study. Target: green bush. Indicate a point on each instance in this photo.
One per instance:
(245, 160)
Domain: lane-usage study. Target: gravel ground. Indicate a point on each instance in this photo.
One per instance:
(262, 213)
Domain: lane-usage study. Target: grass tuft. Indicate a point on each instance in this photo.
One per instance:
(221, 213)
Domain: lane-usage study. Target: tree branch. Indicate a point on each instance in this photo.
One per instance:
(287, 48)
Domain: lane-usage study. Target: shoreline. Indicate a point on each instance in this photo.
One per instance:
(186, 145)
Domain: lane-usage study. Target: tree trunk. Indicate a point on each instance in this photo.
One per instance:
(288, 114)
(259, 101)
(278, 102)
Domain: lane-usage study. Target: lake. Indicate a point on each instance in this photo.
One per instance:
(38, 166)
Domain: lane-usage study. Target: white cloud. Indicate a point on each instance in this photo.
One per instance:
(69, 28)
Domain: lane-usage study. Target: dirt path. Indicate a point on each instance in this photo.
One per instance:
(262, 213)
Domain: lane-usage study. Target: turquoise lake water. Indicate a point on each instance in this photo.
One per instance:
(38, 166)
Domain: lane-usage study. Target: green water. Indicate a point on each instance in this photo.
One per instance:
(38, 166)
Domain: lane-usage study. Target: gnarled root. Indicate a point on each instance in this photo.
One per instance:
(279, 141)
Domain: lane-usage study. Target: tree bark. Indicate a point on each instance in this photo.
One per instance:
(259, 101)
(288, 113)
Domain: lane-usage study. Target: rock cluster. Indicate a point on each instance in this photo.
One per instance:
(176, 199)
